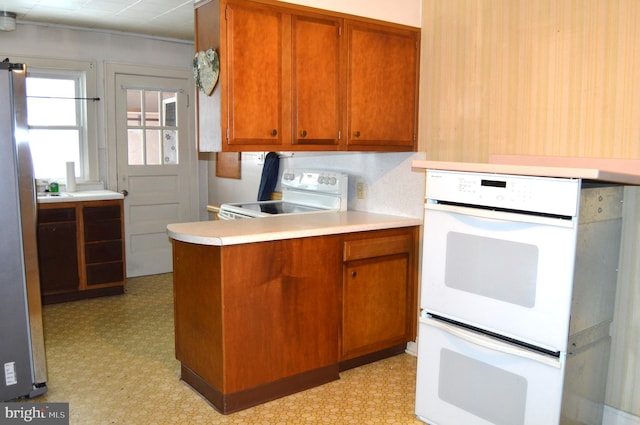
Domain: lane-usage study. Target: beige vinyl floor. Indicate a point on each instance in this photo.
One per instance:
(112, 359)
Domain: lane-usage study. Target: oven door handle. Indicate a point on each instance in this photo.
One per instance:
(501, 215)
(492, 344)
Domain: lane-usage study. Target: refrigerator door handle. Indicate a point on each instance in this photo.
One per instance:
(492, 344)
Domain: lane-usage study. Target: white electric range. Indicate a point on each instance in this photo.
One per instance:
(303, 191)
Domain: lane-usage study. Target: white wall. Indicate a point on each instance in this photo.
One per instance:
(54, 42)
(406, 12)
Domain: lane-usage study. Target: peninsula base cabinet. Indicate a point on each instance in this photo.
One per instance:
(80, 250)
(258, 321)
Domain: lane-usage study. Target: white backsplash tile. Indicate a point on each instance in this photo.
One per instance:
(390, 185)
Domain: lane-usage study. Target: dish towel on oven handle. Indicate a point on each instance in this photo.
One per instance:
(269, 176)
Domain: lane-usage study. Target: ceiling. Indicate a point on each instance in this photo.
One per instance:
(161, 18)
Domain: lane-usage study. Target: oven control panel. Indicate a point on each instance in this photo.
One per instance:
(313, 180)
(547, 195)
(318, 188)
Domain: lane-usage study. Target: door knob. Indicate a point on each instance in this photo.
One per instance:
(124, 192)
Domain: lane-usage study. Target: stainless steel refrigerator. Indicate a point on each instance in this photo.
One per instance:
(23, 371)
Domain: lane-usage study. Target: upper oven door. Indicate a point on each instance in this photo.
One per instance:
(503, 272)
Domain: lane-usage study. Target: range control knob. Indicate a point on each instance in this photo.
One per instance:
(332, 181)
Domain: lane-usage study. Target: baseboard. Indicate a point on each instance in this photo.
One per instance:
(614, 416)
(412, 348)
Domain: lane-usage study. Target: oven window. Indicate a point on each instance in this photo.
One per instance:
(494, 394)
(495, 268)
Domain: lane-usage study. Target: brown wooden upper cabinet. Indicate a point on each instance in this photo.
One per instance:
(315, 65)
(382, 81)
(253, 75)
(296, 78)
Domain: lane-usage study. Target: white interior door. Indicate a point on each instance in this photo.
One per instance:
(155, 166)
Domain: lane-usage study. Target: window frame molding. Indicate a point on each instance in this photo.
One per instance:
(89, 150)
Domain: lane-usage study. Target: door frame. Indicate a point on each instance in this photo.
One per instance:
(111, 70)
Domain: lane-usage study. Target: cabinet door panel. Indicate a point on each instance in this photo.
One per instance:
(103, 252)
(316, 80)
(102, 212)
(105, 273)
(375, 296)
(55, 215)
(57, 257)
(103, 230)
(382, 86)
(254, 72)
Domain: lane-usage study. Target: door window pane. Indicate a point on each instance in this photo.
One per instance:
(135, 147)
(154, 149)
(170, 146)
(154, 116)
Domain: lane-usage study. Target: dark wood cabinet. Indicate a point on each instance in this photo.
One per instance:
(103, 244)
(80, 250)
(58, 250)
(305, 79)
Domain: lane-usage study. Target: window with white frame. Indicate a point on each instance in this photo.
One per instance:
(61, 118)
(56, 117)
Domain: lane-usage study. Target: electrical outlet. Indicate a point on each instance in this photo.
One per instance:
(360, 190)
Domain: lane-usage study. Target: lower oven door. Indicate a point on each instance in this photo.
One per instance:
(508, 273)
(468, 378)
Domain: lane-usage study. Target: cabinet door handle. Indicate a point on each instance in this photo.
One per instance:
(356, 134)
(354, 273)
(124, 192)
(303, 133)
(274, 132)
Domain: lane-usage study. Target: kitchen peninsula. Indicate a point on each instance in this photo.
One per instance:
(271, 306)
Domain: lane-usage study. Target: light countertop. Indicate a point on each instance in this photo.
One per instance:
(85, 195)
(288, 226)
(609, 170)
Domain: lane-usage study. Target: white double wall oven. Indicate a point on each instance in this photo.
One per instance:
(497, 340)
